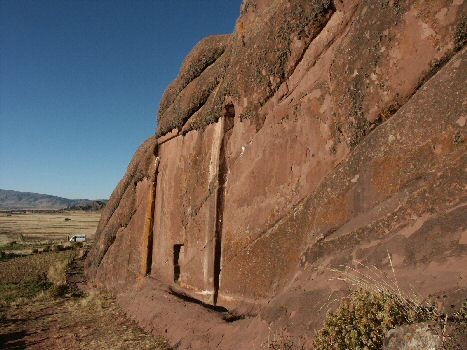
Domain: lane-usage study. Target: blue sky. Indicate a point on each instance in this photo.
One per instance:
(80, 84)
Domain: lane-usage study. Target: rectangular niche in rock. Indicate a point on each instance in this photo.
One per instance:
(178, 249)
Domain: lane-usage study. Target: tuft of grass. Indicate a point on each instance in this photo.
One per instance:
(58, 291)
(57, 276)
(95, 301)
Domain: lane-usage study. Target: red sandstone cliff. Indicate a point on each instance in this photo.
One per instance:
(321, 133)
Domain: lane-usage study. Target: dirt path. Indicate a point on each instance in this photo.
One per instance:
(77, 321)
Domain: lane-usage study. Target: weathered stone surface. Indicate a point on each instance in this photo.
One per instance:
(390, 50)
(185, 205)
(420, 336)
(267, 45)
(319, 134)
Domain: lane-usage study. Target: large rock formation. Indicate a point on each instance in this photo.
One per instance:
(320, 134)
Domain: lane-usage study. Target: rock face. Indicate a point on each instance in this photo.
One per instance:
(320, 134)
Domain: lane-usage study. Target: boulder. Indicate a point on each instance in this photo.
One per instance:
(420, 336)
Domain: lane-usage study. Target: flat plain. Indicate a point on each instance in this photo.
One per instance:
(53, 226)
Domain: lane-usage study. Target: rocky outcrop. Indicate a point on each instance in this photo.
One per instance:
(320, 134)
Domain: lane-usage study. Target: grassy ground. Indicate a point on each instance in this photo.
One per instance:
(26, 276)
(41, 308)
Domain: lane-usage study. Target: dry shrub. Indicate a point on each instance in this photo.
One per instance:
(364, 318)
(376, 306)
(58, 248)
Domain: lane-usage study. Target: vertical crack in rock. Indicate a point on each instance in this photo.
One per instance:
(149, 219)
(229, 115)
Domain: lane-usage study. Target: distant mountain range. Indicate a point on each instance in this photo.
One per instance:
(10, 199)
